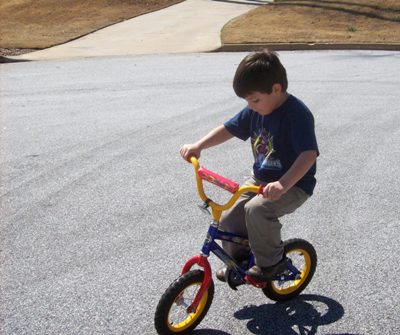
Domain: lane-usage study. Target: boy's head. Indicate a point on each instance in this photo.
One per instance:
(260, 75)
(258, 72)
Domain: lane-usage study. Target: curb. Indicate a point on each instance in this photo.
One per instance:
(307, 46)
(4, 60)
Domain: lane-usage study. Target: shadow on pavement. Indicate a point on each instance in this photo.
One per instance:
(4, 60)
(302, 315)
(209, 332)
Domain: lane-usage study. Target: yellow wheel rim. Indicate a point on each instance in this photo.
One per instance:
(178, 317)
(302, 261)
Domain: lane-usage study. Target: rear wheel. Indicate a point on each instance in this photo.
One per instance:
(303, 256)
(172, 316)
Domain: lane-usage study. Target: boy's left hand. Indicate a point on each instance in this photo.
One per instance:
(274, 191)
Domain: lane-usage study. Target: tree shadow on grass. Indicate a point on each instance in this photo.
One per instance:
(358, 4)
(249, 2)
(357, 9)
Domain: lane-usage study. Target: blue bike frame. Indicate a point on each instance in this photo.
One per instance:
(210, 246)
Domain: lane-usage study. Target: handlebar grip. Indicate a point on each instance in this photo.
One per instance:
(193, 160)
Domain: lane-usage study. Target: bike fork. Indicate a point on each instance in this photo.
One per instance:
(201, 261)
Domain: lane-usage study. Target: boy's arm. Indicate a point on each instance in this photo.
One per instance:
(214, 137)
(301, 165)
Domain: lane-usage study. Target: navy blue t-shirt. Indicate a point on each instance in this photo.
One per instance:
(278, 139)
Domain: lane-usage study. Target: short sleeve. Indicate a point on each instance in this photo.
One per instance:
(239, 126)
(303, 131)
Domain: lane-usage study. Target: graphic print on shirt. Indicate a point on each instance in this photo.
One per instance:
(263, 148)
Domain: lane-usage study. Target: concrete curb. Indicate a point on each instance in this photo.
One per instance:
(4, 60)
(307, 46)
(277, 47)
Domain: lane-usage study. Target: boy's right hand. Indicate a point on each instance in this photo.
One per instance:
(189, 150)
(214, 137)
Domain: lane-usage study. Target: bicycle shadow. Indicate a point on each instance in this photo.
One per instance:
(302, 315)
(299, 316)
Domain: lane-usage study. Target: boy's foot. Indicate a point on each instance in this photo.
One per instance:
(268, 273)
(220, 274)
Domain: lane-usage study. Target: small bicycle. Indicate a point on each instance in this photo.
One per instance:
(187, 300)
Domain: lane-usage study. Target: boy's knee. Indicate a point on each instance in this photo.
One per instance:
(256, 211)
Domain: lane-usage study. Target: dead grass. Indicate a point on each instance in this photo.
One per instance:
(325, 21)
(37, 24)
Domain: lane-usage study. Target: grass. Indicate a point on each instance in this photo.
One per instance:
(351, 29)
(37, 24)
(325, 21)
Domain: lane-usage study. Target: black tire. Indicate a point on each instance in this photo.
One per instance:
(304, 258)
(163, 319)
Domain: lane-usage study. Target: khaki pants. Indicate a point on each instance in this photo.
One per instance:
(257, 218)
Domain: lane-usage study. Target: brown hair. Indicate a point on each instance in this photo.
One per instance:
(259, 71)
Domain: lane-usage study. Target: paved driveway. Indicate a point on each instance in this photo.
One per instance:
(98, 211)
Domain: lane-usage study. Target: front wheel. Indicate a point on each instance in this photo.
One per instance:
(172, 316)
(303, 256)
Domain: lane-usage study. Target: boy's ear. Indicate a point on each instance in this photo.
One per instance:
(277, 88)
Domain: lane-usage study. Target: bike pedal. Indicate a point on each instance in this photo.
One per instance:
(233, 279)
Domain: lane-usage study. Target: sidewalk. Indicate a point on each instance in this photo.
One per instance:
(190, 26)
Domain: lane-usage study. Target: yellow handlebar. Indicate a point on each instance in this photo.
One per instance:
(218, 208)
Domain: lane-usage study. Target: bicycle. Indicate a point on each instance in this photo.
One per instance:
(187, 300)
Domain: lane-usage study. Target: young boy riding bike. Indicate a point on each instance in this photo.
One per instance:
(285, 149)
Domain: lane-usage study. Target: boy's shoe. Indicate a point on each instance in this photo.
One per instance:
(267, 273)
(220, 274)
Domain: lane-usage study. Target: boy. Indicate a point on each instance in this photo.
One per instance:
(285, 149)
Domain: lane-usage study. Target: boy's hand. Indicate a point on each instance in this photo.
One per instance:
(189, 150)
(274, 191)
(214, 137)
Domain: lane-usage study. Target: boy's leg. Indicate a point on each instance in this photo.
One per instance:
(264, 228)
(234, 221)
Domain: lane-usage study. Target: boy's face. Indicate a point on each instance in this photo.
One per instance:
(265, 103)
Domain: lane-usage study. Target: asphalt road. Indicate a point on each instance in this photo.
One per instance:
(98, 211)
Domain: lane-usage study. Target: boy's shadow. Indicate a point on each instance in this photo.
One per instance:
(302, 315)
